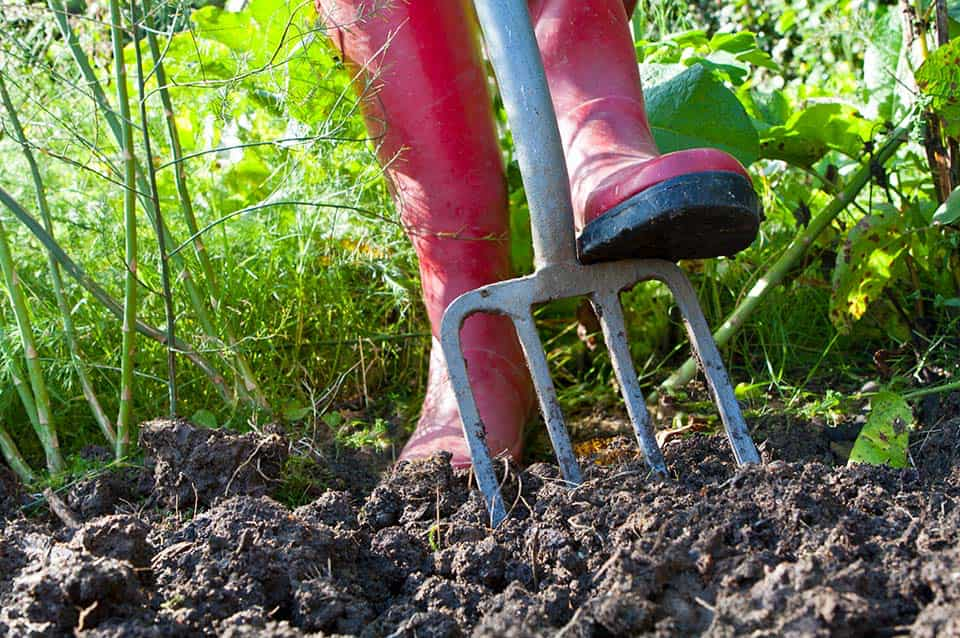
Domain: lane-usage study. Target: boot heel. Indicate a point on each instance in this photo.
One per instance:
(694, 216)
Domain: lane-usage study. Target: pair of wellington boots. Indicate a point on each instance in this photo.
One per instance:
(426, 101)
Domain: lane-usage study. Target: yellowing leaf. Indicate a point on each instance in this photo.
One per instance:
(865, 265)
(939, 79)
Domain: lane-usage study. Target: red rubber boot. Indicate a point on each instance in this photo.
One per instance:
(431, 113)
(628, 200)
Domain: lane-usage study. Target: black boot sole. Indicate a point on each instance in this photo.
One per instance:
(695, 216)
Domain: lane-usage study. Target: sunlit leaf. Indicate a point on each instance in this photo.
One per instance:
(865, 265)
(939, 79)
(694, 109)
(886, 436)
(809, 134)
(949, 211)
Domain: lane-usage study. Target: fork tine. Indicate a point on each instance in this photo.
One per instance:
(473, 428)
(547, 394)
(610, 312)
(705, 350)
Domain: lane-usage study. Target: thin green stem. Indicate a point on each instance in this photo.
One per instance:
(65, 311)
(13, 457)
(47, 431)
(792, 254)
(107, 301)
(158, 225)
(20, 382)
(129, 343)
(935, 389)
(116, 125)
(186, 207)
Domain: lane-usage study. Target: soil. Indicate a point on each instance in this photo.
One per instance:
(196, 546)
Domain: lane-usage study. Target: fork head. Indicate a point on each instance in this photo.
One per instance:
(601, 284)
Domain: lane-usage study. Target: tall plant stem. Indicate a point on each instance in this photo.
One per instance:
(791, 255)
(46, 430)
(197, 303)
(65, 312)
(129, 343)
(108, 302)
(158, 226)
(20, 383)
(13, 457)
(186, 206)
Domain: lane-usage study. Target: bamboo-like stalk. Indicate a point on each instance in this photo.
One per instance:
(197, 303)
(65, 312)
(107, 301)
(20, 382)
(158, 225)
(186, 206)
(129, 343)
(792, 254)
(13, 457)
(46, 430)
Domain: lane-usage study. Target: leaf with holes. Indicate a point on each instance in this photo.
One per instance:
(885, 437)
(939, 79)
(809, 134)
(866, 265)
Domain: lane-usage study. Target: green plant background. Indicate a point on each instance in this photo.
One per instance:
(320, 284)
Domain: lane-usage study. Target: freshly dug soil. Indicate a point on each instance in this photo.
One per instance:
(795, 547)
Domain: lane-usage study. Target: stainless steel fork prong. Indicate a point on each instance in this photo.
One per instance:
(610, 313)
(547, 395)
(473, 429)
(706, 353)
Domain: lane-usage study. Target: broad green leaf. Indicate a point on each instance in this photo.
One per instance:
(939, 79)
(766, 109)
(204, 418)
(740, 42)
(759, 57)
(655, 73)
(694, 109)
(724, 65)
(226, 27)
(865, 265)
(885, 437)
(809, 134)
(949, 211)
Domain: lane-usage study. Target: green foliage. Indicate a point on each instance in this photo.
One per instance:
(885, 437)
(678, 107)
(315, 275)
(866, 264)
(949, 211)
(806, 136)
(939, 79)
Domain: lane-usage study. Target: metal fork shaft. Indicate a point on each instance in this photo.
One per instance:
(512, 47)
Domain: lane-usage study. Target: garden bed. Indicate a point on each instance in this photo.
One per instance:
(195, 545)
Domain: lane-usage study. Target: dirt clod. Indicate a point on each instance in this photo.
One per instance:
(797, 547)
(193, 466)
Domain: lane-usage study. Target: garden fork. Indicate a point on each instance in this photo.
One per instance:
(512, 47)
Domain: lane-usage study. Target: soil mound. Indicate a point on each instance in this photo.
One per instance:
(193, 466)
(795, 547)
